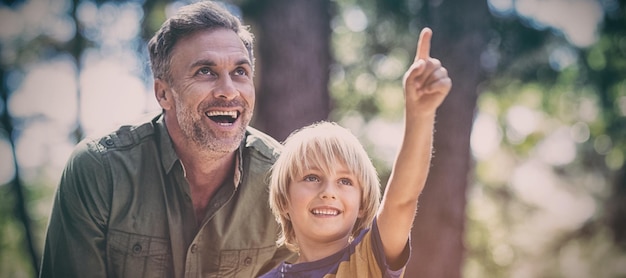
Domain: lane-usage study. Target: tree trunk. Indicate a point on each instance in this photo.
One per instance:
(20, 208)
(439, 226)
(293, 59)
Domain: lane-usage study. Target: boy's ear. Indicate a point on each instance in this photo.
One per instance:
(361, 213)
(163, 94)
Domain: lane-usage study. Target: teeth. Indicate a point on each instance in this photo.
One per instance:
(325, 212)
(232, 114)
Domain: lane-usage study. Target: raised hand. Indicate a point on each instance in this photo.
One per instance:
(426, 82)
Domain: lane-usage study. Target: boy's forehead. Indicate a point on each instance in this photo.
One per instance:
(331, 165)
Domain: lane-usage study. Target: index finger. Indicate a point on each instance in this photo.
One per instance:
(423, 44)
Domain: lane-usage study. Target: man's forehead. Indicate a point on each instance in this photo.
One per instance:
(212, 48)
(218, 39)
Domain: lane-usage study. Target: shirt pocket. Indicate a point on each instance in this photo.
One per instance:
(133, 255)
(244, 262)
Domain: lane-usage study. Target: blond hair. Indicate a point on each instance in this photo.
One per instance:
(322, 145)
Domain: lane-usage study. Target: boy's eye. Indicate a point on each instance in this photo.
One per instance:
(345, 181)
(311, 178)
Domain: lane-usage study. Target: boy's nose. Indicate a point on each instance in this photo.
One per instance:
(328, 192)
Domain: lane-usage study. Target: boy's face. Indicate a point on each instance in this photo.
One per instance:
(323, 207)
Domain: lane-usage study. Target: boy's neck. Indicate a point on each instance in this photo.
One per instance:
(311, 251)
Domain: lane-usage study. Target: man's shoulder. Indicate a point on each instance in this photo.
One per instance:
(262, 143)
(123, 137)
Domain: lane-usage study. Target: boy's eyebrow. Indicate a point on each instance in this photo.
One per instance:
(335, 171)
(346, 173)
(310, 169)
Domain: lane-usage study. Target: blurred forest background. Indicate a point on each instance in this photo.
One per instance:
(528, 177)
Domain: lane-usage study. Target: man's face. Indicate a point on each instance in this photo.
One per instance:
(212, 90)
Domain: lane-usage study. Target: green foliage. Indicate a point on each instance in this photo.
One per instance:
(14, 261)
(538, 207)
(548, 196)
(581, 101)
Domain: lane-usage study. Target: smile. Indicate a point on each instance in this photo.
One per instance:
(223, 117)
(331, 212)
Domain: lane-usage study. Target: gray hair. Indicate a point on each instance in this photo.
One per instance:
(203, 15)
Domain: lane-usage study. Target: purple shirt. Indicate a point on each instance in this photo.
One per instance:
(364, 257)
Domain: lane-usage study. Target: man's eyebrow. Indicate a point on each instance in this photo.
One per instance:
(211, 63)
(198, 63)
(243, 62)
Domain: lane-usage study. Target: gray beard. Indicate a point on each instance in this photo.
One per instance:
(207, 140)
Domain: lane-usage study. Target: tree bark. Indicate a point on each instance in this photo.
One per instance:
(293, 60)
(439, 225)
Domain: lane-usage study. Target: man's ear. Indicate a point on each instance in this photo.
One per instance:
(163, 94)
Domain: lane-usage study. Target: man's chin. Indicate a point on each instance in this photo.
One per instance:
(219, 144)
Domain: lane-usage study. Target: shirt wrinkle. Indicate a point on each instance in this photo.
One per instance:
(168, 155)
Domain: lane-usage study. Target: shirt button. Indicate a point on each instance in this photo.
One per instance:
(109, 142)
(247, 261)
(137, 248)
(194, 248)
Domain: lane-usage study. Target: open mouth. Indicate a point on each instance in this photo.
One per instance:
(325, 212)
(223, 117)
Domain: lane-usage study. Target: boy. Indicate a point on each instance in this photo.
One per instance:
(324, 190)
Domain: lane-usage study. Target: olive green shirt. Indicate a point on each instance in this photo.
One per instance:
(123, 209)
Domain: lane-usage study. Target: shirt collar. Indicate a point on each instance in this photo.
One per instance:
(169, 156)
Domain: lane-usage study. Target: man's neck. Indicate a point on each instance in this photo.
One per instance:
(205, 175)
(205, 170)
(201, 166)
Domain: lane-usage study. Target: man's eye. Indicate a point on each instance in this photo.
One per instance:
(311, 178)
(205, 71)
(241, 71)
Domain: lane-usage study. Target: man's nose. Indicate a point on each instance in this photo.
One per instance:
(225, 88)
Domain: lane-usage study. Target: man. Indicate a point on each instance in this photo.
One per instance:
(185, 194)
